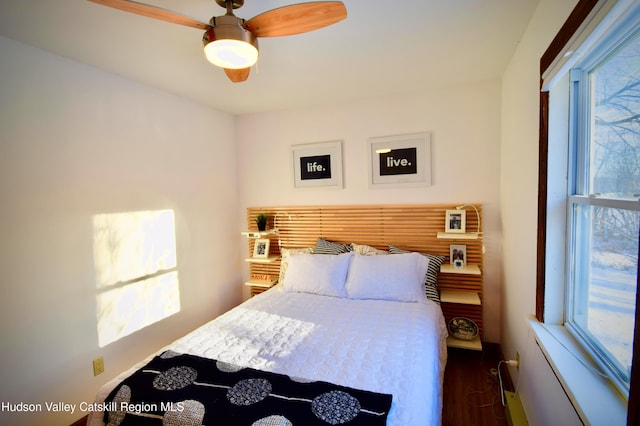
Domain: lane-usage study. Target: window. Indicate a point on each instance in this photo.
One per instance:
(603, 206)
(136, 271)
(588, 210)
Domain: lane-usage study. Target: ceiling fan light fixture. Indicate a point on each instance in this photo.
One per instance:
(232, 54)
(228, 45)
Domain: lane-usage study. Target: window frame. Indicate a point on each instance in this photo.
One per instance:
(580, 194)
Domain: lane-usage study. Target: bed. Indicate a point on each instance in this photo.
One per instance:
(356, 322)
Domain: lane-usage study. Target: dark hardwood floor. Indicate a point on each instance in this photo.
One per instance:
(471, 394)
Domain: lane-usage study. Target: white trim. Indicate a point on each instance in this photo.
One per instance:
(557, 189)
(612, 203)
(594, 398)
(604, 15)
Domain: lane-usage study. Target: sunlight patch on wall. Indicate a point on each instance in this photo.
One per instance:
(136, 271)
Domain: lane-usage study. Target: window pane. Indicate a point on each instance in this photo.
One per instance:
(615, 129)
(604, 281)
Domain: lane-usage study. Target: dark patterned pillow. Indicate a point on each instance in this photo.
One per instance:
(431, 279)
(328, 247)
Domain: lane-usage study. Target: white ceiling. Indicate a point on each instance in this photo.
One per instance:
(383, 47)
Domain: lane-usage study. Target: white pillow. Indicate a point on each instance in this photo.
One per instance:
(318, 273)
(285, 253)
(398, 277)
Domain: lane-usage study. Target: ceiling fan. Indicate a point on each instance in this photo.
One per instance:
(231, 42)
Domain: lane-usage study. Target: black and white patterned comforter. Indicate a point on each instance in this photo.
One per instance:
(182, 389)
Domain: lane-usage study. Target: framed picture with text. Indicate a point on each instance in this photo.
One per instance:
(400, 161)
(317, 165)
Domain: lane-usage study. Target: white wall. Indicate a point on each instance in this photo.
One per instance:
(543, 399)
(74, 142)
(465, 126)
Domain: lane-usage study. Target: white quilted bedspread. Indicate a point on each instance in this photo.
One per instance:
(380, 346)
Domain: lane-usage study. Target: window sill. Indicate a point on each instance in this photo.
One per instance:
(595, 399)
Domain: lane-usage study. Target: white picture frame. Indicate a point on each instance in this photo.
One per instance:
(400, 161)
(317, 165)
(455, 221)
(261, 248)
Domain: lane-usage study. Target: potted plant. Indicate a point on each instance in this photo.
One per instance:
(261, 221)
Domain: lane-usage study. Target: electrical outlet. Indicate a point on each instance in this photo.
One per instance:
(98, 366)
(518, 360)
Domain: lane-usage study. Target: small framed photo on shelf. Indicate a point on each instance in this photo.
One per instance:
(458, 255)
(455, 221)
(261, 248)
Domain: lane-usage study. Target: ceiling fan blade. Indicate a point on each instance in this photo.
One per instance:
(237, 75)
(296, 19)
(152, 12)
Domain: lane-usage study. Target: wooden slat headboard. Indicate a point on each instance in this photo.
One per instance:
(409, 227)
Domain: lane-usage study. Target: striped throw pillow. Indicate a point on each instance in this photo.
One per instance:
(431, 279)
(328, 247)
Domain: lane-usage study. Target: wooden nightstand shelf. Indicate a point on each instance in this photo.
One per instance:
(255, 282)
(260, 234)
(258, 285)
(466, 269)
(474, 345)
(262, 259)
(467, 304)
(461, 288)
(263, 271)
(461, 297)
(456, 301)
(458, 236)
